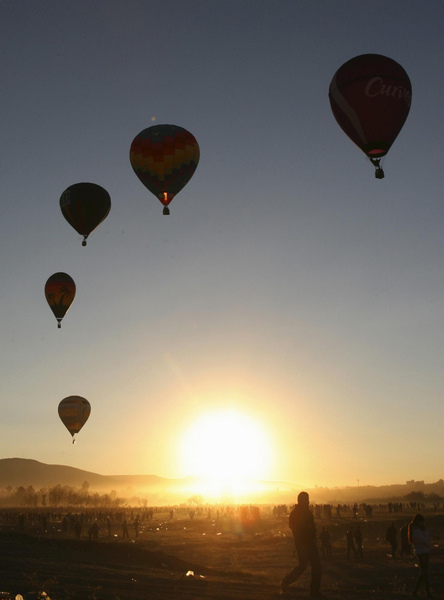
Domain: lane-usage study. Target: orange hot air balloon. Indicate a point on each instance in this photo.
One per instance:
(164, 158)
(74, 411)
(370, 96)
(60, 290)
(85, 206)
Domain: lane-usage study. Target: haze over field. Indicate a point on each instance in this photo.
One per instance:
(19, 476)
(285, 322)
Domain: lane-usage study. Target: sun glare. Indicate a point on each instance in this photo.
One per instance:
(227, 448)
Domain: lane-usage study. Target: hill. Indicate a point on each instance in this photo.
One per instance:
(25, 472)
(15, 472)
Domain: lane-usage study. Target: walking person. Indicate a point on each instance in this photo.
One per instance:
(125, 528)
(95, 531)
(419, 536)
(392, 537)
(77, 528)
(325, 538)
(302, 524)
(350, 543)
(358, 539)
(405, 543)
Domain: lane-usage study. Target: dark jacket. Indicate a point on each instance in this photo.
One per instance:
(302, 524)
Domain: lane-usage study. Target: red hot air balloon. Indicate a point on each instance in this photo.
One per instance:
(370, 96)
(164, 158)
(85, 206)
(74, 411)
(60, 290)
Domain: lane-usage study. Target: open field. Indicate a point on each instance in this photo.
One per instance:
(183, 558)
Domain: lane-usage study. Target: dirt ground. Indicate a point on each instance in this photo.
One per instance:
(195, 559)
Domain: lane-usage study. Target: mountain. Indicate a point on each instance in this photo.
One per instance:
(25, 472)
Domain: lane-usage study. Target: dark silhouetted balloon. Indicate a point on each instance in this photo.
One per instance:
(164, 158)
(74, 411)
(85, 206)
(370, 96)
(60, 290)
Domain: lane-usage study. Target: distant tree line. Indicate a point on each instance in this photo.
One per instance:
(64, 496)
(59, 496)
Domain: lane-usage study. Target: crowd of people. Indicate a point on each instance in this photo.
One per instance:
(311, 546)
(415, 538)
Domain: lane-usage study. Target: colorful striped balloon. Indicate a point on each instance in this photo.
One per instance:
(164, 158)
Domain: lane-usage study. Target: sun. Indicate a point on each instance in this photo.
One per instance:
(226, 447)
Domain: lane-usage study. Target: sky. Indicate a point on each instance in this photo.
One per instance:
(289, 292)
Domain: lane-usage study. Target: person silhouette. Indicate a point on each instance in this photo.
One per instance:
(125, 528)
(419, 536)
(358, 539)
(405, 543)
(392, 537)
(350, 543)
(302, 524)
(325, 538)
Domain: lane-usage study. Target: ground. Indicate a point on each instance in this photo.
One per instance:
(196, 559)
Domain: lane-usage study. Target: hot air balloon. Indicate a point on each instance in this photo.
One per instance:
(164, 158)
(74, 411)
(60, 290)
(370, 96)
(85, 206)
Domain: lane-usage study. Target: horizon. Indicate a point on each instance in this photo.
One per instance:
(412, 483)
(137, 490)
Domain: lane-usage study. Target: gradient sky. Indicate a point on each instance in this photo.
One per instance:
(288, 284)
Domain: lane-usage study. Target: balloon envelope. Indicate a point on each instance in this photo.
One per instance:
(60, 290)
(74, 411)
(370, 96)
(85, 206)
(164, 158)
